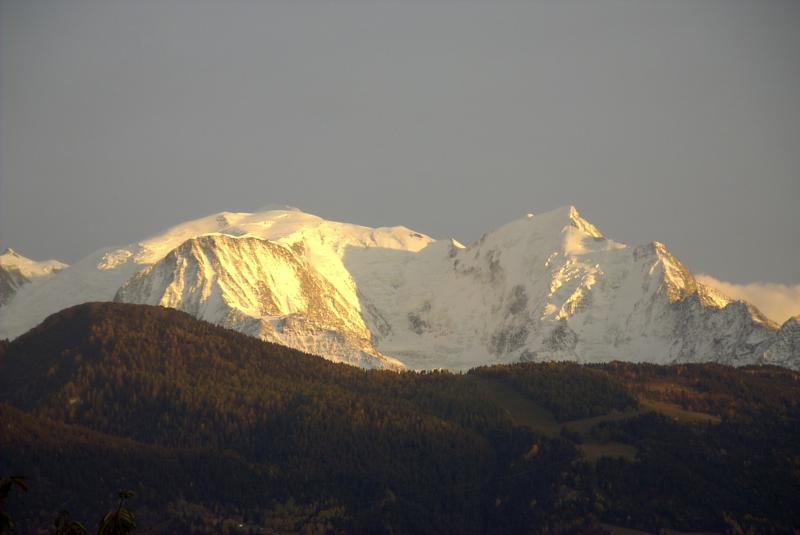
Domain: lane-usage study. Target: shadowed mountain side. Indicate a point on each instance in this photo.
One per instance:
(352, 450)
(72, 467)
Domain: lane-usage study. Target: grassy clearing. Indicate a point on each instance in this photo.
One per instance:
(674, 411)
(525, 412)
(522, 410)
(583, 425)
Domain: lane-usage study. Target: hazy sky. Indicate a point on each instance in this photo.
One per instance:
(676, 121)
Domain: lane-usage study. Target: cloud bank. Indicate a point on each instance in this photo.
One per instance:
(778, 302)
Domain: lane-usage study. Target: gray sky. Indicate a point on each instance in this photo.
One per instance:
(676, 121)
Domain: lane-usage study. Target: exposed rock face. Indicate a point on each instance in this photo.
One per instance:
(785, 349)
(553, 287)
(542, 287)
(260, 287)
(16, 271)
(11, 280)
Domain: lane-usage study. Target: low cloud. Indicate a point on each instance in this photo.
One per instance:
(778, 302)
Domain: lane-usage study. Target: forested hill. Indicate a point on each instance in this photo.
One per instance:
(219, 432)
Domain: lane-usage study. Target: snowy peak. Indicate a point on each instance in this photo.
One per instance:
(261, 287)
(288, 226)
(257, 277)
(542, 287)
(563, 220)
(558, 219)
(792, 325)
(677, 281)
(17, 271)
(582, 224)
(30, 269)
(561, 231)
(785, 351)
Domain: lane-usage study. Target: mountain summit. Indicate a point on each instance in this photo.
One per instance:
(547, 286)
(17, 271)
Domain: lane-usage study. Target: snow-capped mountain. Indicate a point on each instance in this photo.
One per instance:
(552, 287)
(263, 288)
(549, 286)
(212, 267)
(785, 349)
(17, 271)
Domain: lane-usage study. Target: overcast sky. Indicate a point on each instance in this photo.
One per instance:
(676, 121)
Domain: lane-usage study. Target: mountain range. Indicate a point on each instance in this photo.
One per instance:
(543, 287)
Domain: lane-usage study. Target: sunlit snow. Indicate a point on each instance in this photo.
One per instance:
(547, 286)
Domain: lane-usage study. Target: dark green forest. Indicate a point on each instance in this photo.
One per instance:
(218, 432)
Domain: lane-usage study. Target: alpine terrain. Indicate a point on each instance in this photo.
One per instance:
(17, 271)
(543, 287)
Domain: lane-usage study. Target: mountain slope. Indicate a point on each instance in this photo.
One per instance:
(552, 287)
(316, 242)
(784, 350)
(274, 423)
(216, 430)
(17, 271)
(543, 287)
(263, 288)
